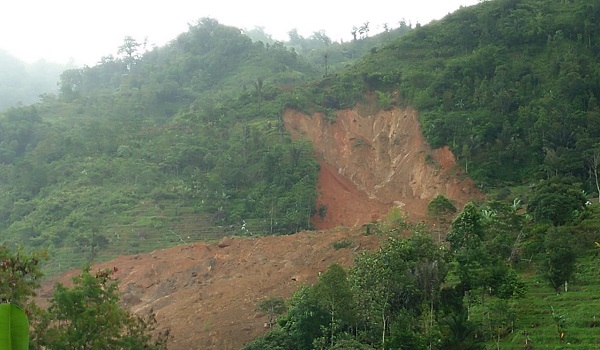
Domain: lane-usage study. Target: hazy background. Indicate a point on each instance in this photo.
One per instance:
(81, 32)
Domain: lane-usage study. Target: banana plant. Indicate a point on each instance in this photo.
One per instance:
(14, 328)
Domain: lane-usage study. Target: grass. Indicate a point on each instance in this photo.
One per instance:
(148, 228)
(541, 311)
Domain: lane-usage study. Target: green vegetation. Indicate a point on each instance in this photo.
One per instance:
(88, 316)
(440, 205)
(14, 328)
(491, 286)
(510, 86)
(187, 142)
(85, 316)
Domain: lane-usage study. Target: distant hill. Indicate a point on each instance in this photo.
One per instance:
(22, 83)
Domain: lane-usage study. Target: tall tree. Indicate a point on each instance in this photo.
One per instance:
(334, 293)
(130, 51)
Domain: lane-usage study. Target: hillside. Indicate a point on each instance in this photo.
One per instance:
(472, 142)
(207, 293)
(150, 149)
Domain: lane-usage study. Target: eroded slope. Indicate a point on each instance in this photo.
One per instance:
(372, 162)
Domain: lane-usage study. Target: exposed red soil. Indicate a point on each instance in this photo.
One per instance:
(371, 163)
(207, 293)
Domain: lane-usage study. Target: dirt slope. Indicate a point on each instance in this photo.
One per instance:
(372, 162)
(207, 293)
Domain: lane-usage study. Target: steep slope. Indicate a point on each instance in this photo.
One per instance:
(207, 293)
(371, 162)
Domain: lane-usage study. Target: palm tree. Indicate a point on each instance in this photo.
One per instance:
(259, 86)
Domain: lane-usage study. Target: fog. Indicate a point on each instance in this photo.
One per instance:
(80, 32)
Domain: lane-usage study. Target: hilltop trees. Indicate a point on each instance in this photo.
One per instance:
(509, 86)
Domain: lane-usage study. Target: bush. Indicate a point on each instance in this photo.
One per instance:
(440, 205)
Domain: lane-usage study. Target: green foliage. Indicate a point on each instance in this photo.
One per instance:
(14, 327)
(19, 274)
(509, 86)
(146, 145)
(395, 220)
(344, 243)
(558, 200)
(305, 319)
(336, 298)
(273, 307)
(559, 259)
(415, 294)
(460, 333)
(440, 205)
(88, 316)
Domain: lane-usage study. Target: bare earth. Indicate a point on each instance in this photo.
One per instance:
(207, 293)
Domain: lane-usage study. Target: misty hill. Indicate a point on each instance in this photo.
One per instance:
(150, 149)
(22, 83)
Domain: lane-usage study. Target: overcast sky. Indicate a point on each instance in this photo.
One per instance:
(86, 30)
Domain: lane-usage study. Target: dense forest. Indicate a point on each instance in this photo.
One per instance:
(132, 152)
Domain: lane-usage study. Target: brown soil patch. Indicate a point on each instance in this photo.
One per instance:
(207, 295)
(371, 163)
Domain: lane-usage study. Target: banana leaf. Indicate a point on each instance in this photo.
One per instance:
(14, 328)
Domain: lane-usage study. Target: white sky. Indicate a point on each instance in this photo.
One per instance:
(85, 30)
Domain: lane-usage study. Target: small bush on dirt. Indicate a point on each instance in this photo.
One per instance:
(440, 205)
(344, 243)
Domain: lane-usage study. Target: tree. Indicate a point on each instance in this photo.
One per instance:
(440, 206)
(559, 257)
(260, 90)
(466, 241)
(273, 307)
(334, 293)
(130, 49)
(460, 333)
(93, 242)
(593, 164)
(305, 319)
(88, 316)
(557, 200)
(19, 274)
(353, 32)
(399, 280)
